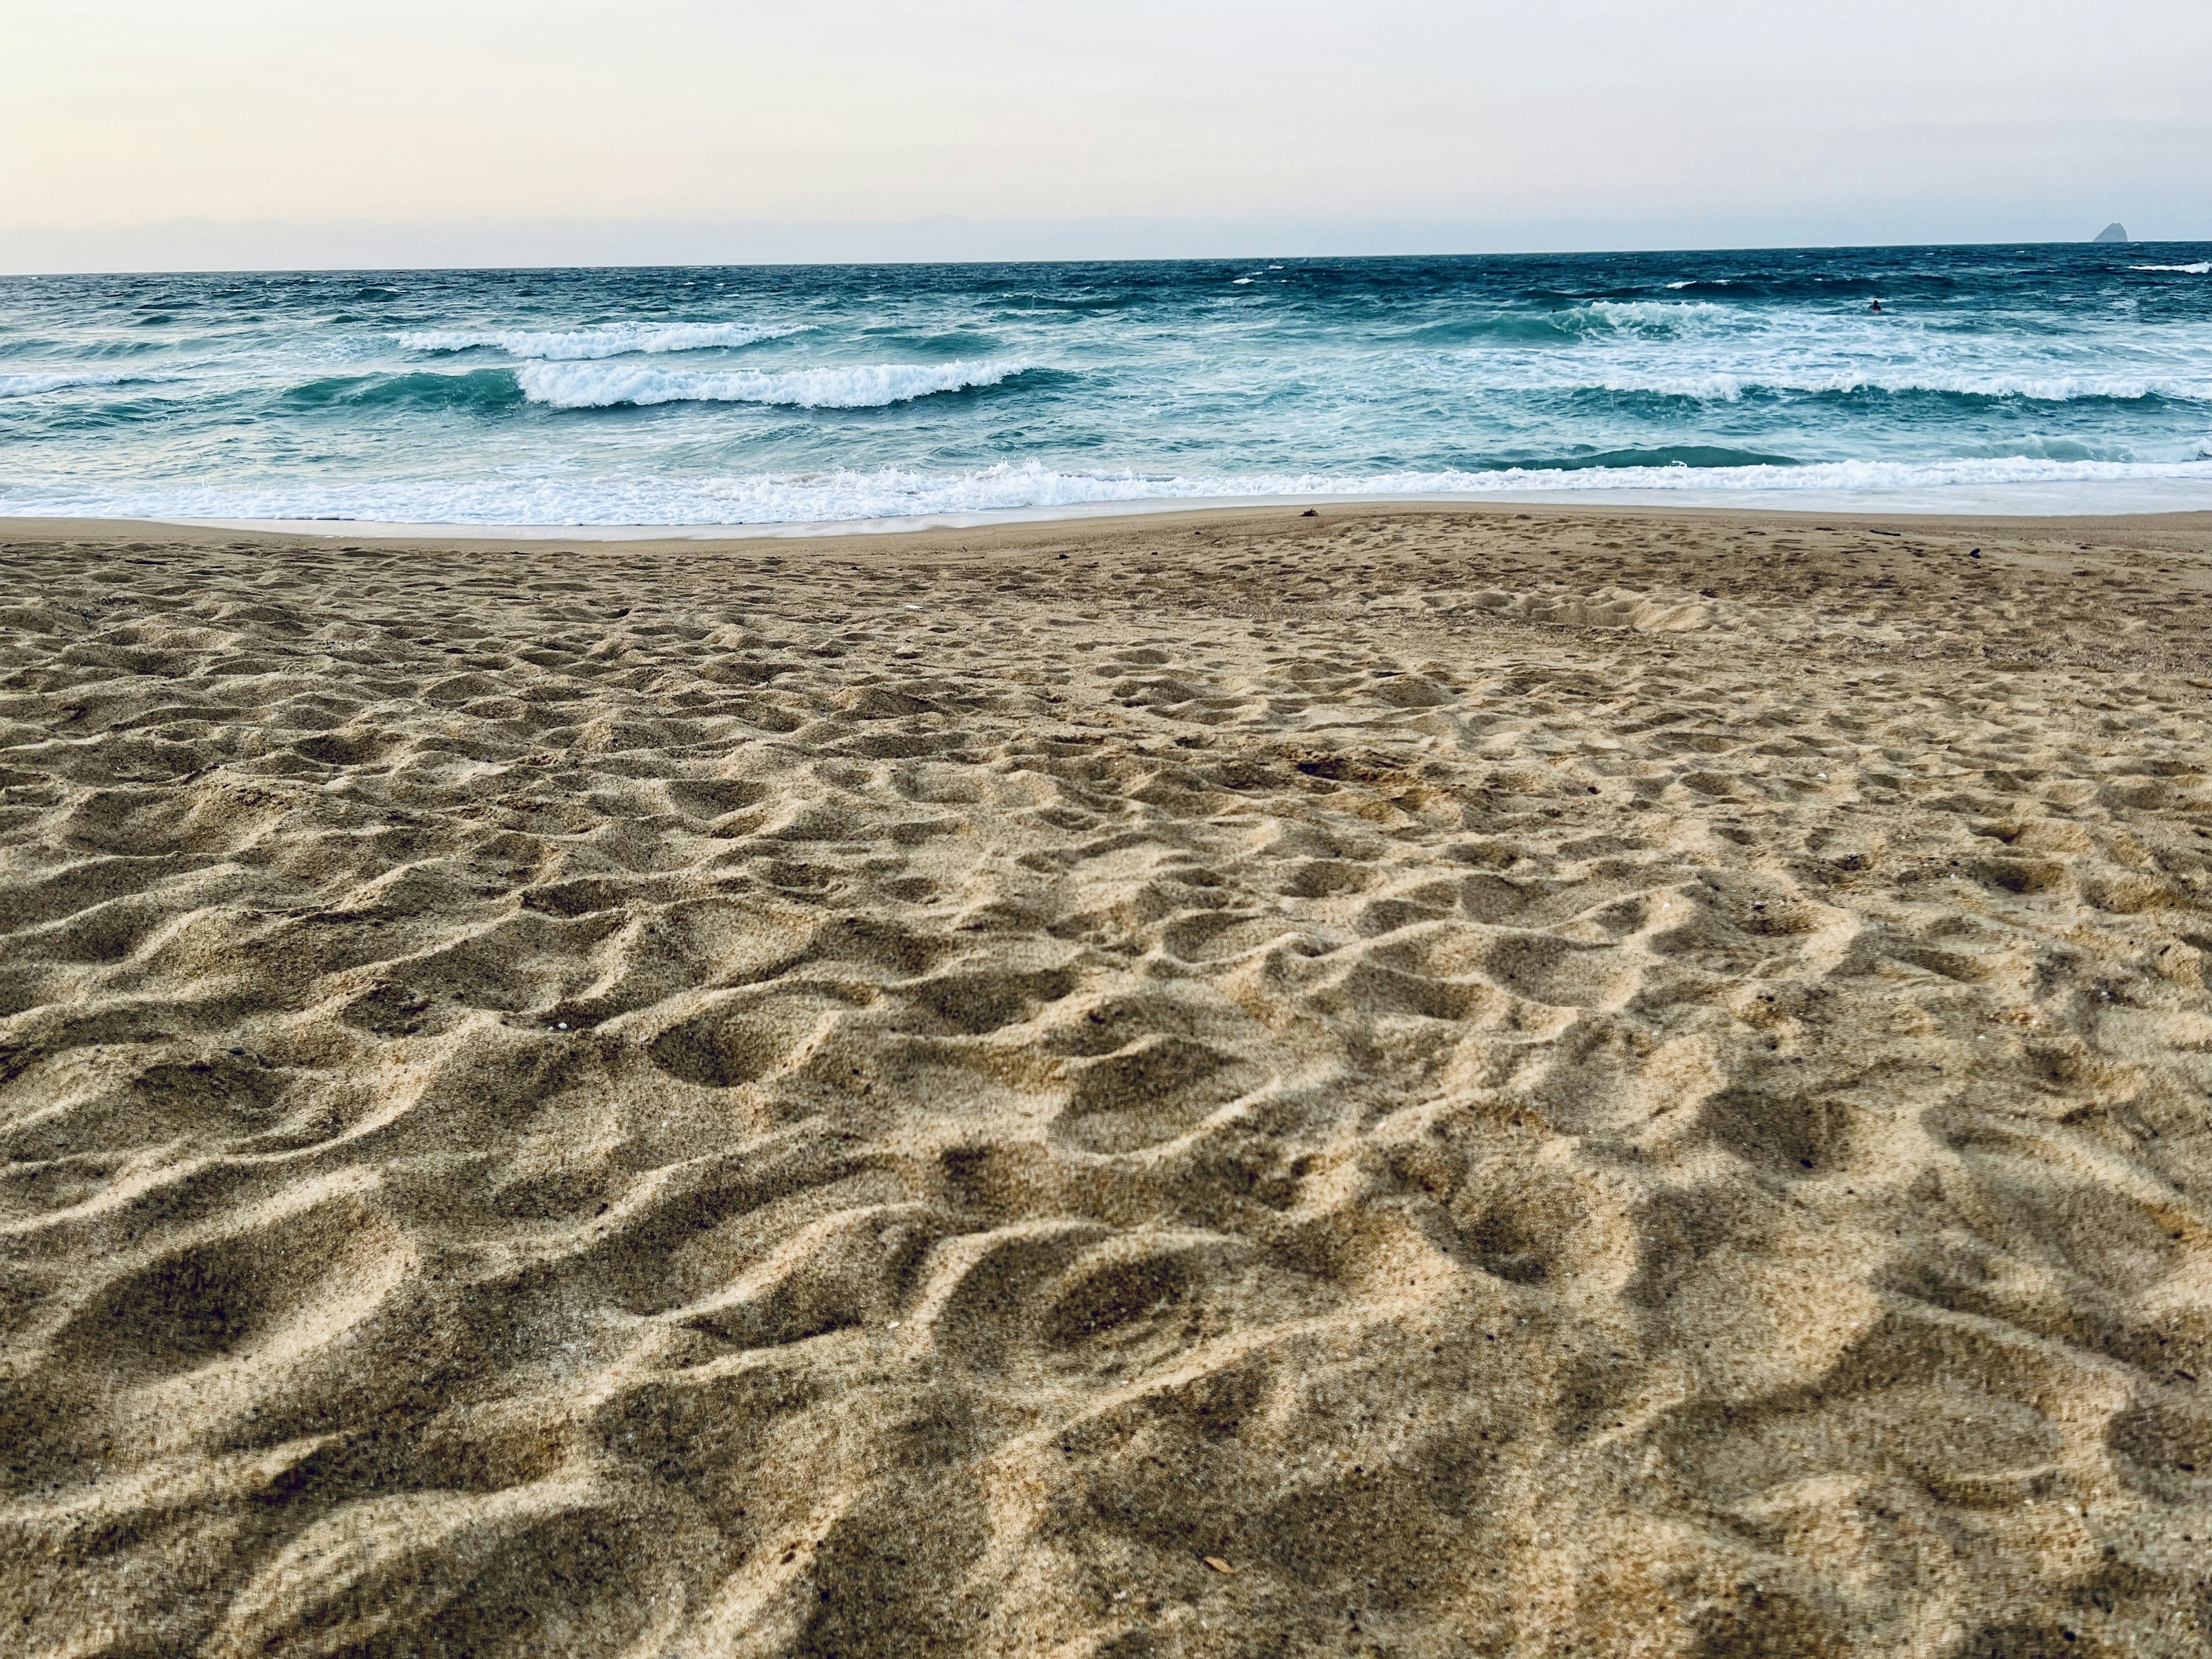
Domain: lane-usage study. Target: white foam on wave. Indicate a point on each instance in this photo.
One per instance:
(2201, 268)
(30, 385)
(594, 344)
(608, 385)
(893, 494)
(1670, 315)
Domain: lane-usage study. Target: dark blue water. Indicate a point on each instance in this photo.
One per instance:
(810, 393)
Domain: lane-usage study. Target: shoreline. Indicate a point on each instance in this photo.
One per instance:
(2116, 498)
(1012, 525)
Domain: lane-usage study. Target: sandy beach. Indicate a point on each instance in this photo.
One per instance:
(1409, 1081)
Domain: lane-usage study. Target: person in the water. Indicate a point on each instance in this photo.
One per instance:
(1876, 307)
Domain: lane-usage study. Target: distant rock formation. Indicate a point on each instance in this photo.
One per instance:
(2115, 232)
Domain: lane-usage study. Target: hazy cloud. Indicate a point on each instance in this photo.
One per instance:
(472, 132)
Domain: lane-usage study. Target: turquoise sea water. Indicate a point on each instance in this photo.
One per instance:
(783, 395)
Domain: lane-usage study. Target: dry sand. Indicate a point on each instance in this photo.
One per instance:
(1565, 1081)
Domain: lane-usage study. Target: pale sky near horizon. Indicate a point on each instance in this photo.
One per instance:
(416, 131)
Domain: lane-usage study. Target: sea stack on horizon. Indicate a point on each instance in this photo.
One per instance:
(2115, 232)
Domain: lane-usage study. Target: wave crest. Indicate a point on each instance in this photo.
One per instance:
(30, 385)
(860, 387)
(480, 389)
(2201, 268)
(1586, 323)
(1724, 387)
(593, 344)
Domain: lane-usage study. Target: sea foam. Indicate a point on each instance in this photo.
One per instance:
(2201, 268)
(847, 496)
(859, 387)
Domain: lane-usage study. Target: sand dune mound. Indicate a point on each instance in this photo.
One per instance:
(879, 1100)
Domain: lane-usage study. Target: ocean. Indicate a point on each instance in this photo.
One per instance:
(2048, 377)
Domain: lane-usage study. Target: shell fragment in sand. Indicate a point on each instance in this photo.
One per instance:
(1217, 1564)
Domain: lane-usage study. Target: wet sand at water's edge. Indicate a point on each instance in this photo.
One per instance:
(1414, 1082)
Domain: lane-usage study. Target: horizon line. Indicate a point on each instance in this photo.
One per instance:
(897, 262)
(178, 246)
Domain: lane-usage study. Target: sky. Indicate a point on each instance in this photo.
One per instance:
(146, 135)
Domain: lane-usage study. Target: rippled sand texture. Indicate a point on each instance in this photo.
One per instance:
(1528, 1085)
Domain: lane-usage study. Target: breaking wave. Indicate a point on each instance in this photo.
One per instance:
(2201, 268)
(1591, 322)
(861, 386)
(1659, 317)
(594, 344)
